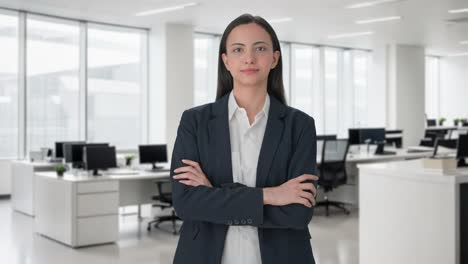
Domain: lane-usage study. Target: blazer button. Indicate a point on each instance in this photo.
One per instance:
(249, 221)
(236, 222)
(243, 221)
(229, 222)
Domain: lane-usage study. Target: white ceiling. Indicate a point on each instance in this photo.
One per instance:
(424, 21)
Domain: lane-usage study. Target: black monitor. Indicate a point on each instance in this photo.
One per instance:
(353, 136)
(431, 122)
(326, 137)
(59, 150)
(73, 152)
(372, 135)
(152, 154)
(462, 150)
(99, 158)
(447, 143)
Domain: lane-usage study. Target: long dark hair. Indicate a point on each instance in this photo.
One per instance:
(275, 85)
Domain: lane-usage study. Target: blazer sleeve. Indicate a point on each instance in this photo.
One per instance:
(303, 161)
(224, 204)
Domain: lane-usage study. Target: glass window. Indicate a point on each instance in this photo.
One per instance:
(9, 85)
(115, 98)
(52, 99)
(306, 94)
(206, 49)
(285, 56)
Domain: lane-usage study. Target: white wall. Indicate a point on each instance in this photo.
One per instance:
(5, 177)
(377, 87)
(453, 88)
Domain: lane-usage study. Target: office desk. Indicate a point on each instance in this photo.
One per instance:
(22, 173)
(83, 210)
(409, 214)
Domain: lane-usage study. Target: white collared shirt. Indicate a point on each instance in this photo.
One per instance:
(241, 244)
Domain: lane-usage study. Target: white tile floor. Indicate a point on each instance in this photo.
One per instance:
(334, 240)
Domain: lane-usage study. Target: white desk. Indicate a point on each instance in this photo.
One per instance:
(409, 214)
(22, 173)
(83, 210)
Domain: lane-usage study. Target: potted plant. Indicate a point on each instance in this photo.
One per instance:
(441, 121)
(456, 121)
(464, 121)
(60, 169)
(128, 159)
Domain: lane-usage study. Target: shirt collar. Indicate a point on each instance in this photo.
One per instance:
(233, 106)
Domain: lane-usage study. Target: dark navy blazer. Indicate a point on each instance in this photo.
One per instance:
(288, 151)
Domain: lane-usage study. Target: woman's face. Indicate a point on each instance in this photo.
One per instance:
(249, 55)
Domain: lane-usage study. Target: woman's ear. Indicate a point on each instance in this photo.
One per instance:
(276, 57)
(225, 60)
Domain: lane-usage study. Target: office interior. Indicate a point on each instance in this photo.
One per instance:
(92, 92)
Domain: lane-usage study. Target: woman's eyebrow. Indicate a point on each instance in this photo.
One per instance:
(255, 43)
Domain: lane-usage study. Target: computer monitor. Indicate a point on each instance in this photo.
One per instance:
(372, 135)
(353, 136)
(153, 154)
(326, 137)
(447, 143)
(73, 152)
(59, 153)
(462, 150)
(99, 158)
(431, 122)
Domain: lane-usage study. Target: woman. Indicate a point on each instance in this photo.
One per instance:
(242, 166)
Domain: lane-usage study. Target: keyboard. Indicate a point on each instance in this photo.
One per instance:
(386, 153)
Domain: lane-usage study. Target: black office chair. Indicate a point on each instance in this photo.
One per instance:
(430, 137)
(164, 199)
(332, 170)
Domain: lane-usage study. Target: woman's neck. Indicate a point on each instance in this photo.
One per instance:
(252, 99)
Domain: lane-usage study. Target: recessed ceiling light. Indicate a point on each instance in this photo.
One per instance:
(349, 35)
(280, 20)
(165, 9)
(456, 11)
(376, 20)
(458, 54)
(372, 3)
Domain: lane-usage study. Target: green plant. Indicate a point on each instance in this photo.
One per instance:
(463, 120)
(60, 169)
(128, 159)
(441, 121)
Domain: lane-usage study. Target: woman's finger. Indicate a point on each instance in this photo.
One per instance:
(193, 164)
(187, 169)
(304, 202)
(309, 187)
(189, 183)
(187, 176)
(308, 196)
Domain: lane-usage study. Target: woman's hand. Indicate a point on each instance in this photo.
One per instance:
(192, 175)
(292, 191)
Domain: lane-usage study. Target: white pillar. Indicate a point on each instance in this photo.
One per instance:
(405, 92)
(179, 77)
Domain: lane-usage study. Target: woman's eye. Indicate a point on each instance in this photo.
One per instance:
(261, 48)
(236, 50)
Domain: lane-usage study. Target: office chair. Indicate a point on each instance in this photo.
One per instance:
(332, 170)
(430, 137)
(164, 199)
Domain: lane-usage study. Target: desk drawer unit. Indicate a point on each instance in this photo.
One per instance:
(97, 207)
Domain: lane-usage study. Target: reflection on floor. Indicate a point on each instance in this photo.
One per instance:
(334, 240)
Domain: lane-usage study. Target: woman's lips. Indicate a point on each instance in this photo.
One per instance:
(249, 71)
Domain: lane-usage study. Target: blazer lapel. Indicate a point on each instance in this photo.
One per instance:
(220, 142)
(271, 140)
